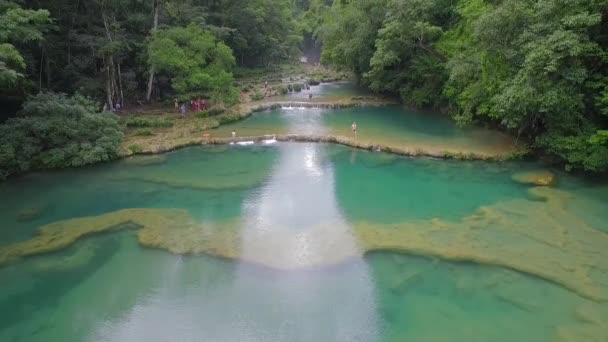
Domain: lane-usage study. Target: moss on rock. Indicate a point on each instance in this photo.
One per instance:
(537, 177)
(540, 238)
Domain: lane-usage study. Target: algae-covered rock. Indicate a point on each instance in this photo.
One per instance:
(538, 177)
(537, 237)
(59, 263)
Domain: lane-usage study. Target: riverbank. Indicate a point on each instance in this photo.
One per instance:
(193, 130)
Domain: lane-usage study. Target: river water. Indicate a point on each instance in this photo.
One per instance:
(281, 243)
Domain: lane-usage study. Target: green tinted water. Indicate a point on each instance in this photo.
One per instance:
(391, 126)
(110, 288)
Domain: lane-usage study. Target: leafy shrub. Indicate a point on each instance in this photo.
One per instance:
(289, 88)
(143, 132)
(228, 118)
(257, 96)
(135, 148)
(198, 127)
(228, 97)
(282, 90)
(196, 61)
(216, 111)
(297, 87)
(202, 114)
(141, 121)
(586, 151)
(314, 82)
(55, 131)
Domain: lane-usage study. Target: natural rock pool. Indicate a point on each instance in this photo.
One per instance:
(301, 242)
(391, 126)
(307, 241)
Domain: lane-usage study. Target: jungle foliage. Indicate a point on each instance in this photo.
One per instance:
(537, 68)
(53, 131)
(196, 62)
(121, 52)
(108, 49)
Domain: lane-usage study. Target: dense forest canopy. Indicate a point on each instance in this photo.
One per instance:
(54, 131)
(120, 52)
(536, 68)
(99, 47)
(197, 62)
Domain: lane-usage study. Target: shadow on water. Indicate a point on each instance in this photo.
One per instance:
(40, 283)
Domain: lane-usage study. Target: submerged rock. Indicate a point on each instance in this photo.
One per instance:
(538, 177)
(61, 263)
(550, 242)
(32, 212)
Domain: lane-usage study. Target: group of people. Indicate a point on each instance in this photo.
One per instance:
(195, 105)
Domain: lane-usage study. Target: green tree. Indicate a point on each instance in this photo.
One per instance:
(18, 26)
(406, 60)
(537, 68)
(530, 65)
(196, 61)
(312, 15)
(55, 131)
(350, 32)
(262, 31)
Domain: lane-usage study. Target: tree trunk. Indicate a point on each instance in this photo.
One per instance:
(109, 63)
(150, 84)
(48, 72)
(70, 27)
(115, 88)
(108, 85)
(154, 28)
(40, 71)
(122, 97)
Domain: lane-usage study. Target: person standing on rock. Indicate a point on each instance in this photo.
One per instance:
(354, 128)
